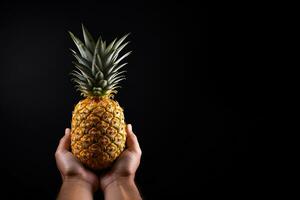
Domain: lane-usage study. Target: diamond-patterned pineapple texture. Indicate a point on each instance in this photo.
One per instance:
(98, 132)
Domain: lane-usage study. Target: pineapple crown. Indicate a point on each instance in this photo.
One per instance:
(98, 66)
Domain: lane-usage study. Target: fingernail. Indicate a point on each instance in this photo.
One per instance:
(129, 127)
(67, 131)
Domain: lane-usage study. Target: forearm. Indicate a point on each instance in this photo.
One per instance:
(75, 189)
(122, 189)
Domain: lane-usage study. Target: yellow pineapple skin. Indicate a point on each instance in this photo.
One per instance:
(98, 133)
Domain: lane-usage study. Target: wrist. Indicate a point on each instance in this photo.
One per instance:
(122, 188)
(75, 188)
(77, 182)
(117, 181)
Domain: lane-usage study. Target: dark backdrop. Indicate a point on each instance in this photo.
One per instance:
(192, 139)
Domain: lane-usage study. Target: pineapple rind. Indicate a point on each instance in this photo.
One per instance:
(98, 132)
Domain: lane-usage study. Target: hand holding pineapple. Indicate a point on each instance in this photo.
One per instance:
(79, 182)
(126, 165)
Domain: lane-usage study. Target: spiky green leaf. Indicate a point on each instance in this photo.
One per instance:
(84, 51)
(95, 56)
(119, 42)
(88, 39)
(110, 47)
(99, 62)
(110, 77)
(124, 56)
(116, 68)
(118, 50)
(80, 59)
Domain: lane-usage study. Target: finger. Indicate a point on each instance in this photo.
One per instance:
(64, 143)
(132, 141)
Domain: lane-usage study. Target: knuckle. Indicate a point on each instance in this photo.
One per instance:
(61, 140)
(133, 136)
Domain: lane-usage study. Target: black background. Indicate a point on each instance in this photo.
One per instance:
(193, 119)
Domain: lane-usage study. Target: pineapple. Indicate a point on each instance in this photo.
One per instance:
(98, 128)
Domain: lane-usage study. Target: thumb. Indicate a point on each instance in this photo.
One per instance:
(64, 143)
(131, 140)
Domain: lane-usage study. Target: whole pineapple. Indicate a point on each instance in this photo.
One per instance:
(98, 128)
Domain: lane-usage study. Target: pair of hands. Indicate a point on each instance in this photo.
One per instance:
(72, 170)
